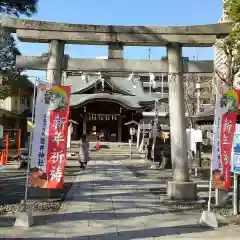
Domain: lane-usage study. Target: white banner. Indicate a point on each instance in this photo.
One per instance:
(70, 131)
(40, 133)
(48, 157)
(216, 163)
(191, 144)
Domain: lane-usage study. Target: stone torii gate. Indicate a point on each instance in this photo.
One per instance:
(116, 37)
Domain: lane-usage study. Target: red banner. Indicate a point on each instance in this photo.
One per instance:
(57, 143)
(226, 140)
(50, 136)
(226, 110)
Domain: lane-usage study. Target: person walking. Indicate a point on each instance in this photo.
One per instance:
(83, 156)
(97, 142)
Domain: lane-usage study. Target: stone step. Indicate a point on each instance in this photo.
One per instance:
(108, 149)
(110, 154)
(108, 145)
(120, 151)
(114, 156)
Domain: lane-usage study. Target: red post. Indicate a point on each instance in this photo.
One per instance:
(4, 157)
(19, 143)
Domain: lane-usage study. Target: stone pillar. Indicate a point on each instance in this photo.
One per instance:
(1, 132)
(85, 121)
(197, 159)
(75, 135)
(180, 188)
(198, 103)
(115, 51)
(56, 58)
(84, 126)
(119, 134)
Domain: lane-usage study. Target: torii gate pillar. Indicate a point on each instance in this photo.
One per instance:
(180, 188)
(55, 62)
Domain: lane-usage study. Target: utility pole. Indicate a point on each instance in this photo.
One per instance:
(155, 133)
(149, 54)
(150, 83)
(198, 95)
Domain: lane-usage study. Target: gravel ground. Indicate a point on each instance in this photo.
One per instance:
(195, 208)
(142, 171)
(12, 188)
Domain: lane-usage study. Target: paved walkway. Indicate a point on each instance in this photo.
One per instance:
(108, 202)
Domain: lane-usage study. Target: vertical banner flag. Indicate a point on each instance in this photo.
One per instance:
(235, 163)
(69, 135)
(225, 120)
(48, 157)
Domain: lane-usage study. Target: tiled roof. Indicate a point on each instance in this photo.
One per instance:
(131, 102)
(131, 93)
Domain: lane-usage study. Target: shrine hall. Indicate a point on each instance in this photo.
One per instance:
(105, 104)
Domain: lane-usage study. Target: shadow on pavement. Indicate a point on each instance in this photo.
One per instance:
(7, 221)
(92, 216)
(134, 234)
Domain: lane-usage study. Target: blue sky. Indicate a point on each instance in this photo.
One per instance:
(125, 12)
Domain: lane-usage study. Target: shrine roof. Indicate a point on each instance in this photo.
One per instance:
(79, 86)
(208, 113)
(129, 102)
(122, 85)
(131, 87)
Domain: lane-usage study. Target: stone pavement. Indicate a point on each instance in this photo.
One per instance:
(108, 202)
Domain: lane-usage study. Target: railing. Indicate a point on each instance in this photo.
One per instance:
(14, 138)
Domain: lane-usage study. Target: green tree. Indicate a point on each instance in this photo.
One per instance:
(11, 78)
(231, 45)
(19, 7)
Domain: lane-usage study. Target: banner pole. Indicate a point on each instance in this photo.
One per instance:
(210, 180)
(237, 193)
(7, 146)
(235, 197)
(19, 145)
(30, 148)
(131, 147)
(208, 218)
(211, 162)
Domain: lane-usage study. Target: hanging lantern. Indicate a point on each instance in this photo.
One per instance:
(102, 81)
(152, 80)
(137, 78)
(134, 84)
(130, 78)
(83, 77)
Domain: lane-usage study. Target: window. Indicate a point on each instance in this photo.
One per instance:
(28, 102)
(22, 100)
